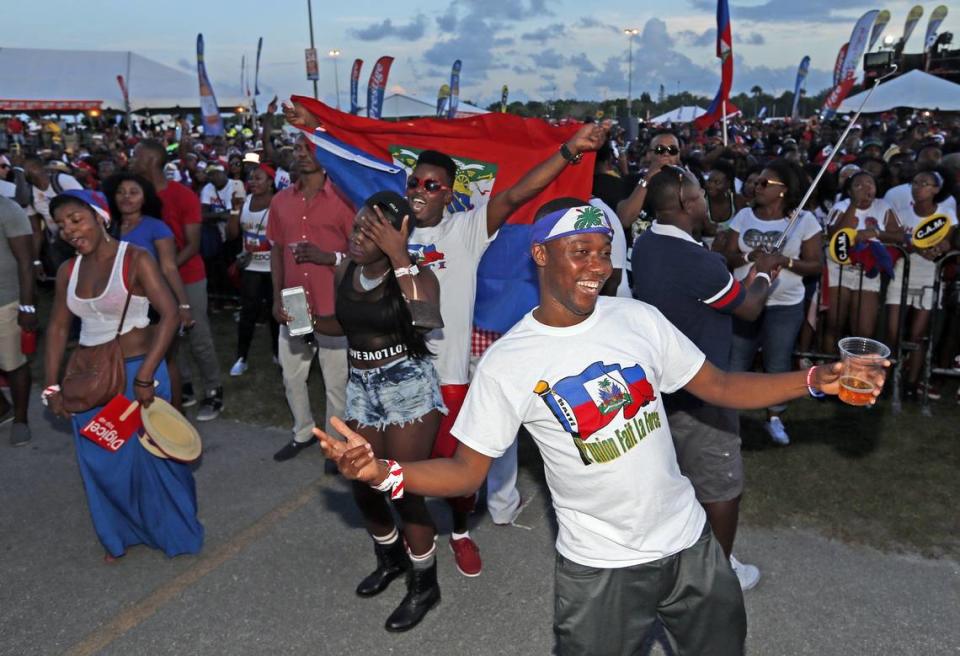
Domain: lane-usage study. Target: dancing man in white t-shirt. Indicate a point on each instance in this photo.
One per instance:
(451, 245)
(584, 376)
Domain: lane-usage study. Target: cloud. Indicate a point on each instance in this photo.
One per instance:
(656, 61)
(778, 11)
(475, 32)
(582, 63)
(753, 39)
(589, 22)
(549, 58)
(183, 63)
(691, 38)
(412, 31)
(544, 34)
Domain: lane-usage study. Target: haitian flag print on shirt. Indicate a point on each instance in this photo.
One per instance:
(587, 402)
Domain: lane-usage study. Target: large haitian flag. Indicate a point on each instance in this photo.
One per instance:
(493, 151)
(588, 401)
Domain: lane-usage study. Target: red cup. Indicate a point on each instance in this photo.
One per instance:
(28, 342)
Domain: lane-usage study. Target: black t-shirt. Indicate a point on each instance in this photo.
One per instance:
(609, 188)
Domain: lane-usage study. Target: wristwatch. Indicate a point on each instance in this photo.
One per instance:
(570, 157)
(643, 183)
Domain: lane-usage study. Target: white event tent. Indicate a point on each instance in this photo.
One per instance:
(401, 105)
(35, 79)
(914, 89)
(683, 114)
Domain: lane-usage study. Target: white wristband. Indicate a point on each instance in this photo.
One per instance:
(28, 309)
(765, 276)
(337, 258)
(393, 483)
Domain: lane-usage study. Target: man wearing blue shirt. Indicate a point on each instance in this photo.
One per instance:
(693, 288)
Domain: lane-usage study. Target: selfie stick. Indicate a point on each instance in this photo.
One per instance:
(794, 218)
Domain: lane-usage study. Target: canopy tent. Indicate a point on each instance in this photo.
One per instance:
(401, 105)
(79, 80)
(914, 89)
(683, 114)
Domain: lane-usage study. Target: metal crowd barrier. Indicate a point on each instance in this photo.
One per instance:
(898, 349)
(928, 368)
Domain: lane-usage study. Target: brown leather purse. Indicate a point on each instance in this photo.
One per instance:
(95, 374)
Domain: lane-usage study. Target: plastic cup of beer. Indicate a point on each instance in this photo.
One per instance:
(862, 360)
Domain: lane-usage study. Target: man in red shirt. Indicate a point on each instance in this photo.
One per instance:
(181, 211)
(310, 224)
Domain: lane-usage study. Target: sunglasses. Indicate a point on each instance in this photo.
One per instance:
(763, 183)
(427, 184)
(665, 150)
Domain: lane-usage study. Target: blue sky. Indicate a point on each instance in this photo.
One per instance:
(540, 48)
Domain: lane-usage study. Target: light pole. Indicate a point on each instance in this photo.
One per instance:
(334, 55)
(630, 32)
(310, 20)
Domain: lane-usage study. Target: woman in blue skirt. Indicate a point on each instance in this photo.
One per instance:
(133, 496)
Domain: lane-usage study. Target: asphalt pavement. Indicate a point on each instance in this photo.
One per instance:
(285, 548)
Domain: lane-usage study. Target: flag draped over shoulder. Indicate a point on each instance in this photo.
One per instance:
(716, 111)
(493, 151)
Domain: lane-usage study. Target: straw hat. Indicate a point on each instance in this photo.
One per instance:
(168, 434)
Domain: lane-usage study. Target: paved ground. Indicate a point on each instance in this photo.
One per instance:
(284, 551)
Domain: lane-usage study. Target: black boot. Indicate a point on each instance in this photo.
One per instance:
(392, 561)
(423, 593)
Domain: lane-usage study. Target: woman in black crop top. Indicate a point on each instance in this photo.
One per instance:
(385, 306)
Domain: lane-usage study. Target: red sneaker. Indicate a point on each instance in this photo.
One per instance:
(467, 555)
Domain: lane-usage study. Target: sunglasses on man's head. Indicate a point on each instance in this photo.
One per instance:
(429, 185)
(763, 183)
(665, 150)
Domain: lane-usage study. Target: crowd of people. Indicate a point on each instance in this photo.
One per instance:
(419, 402)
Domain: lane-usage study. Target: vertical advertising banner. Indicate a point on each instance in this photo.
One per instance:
(313, 68)
(838, 65)
(377, 85)
(442, 96)
(256, 70)
(848, 71)
(209, 110)
(878, 26)
(912, 19)
(454, 89)
(355, 85)
(936, 18)
(503, 99)
(798, 87)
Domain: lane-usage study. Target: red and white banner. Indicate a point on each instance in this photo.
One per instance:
(848, 71)
(49, 105)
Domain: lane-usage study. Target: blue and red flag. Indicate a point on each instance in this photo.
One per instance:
(587, 402)
(357, 174)
(721, 102)
(493, 151)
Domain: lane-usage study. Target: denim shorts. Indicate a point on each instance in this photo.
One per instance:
(395, 394)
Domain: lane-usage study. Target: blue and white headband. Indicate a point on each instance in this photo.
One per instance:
(580, 220)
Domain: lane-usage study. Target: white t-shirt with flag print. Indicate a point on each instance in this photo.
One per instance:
(452, 249)
(590, 395)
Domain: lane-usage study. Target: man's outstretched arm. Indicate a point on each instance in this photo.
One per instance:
(588, 138)
(458, 476)
(749, 391)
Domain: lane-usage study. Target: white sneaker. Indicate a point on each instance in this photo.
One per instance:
(239, 367)
(749, 575)
(777, 432)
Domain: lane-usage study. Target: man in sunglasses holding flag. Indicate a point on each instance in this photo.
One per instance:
(451, 245)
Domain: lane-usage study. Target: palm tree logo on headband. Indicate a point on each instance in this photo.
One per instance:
(588, 217)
